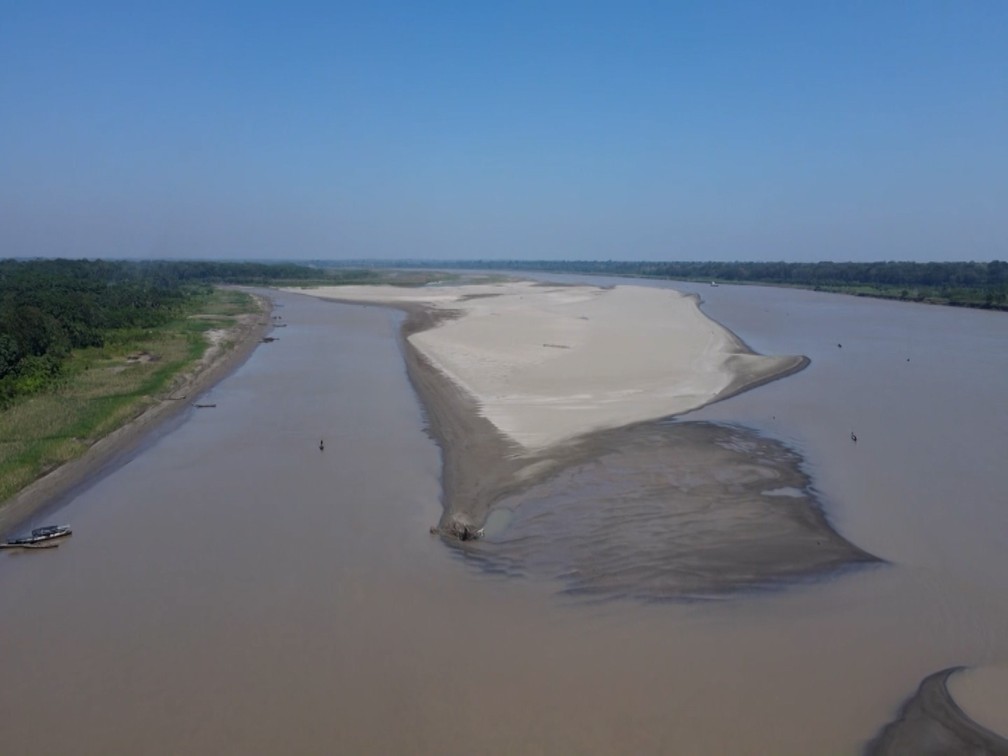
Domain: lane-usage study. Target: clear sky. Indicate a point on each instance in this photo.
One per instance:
(807, 130)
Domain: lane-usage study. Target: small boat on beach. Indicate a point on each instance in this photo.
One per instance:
(51, 531)
(40, 536)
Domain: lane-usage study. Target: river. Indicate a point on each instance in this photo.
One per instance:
(233, 588)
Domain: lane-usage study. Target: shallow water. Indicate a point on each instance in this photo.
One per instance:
(668, 511)
(232, 588)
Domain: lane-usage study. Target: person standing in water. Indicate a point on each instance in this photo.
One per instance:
(321, 445)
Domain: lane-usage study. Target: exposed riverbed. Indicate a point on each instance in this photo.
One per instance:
(232, 588)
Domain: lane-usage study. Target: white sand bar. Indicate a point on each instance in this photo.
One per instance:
(550, 363)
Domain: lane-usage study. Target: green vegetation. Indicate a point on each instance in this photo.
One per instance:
(291, 274)
(85, 346)
(967, 284)
(99, 388)
(49, 308)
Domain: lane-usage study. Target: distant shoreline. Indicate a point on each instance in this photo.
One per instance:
(216, 364)
(975, 285)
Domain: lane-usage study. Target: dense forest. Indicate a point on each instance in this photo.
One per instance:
(970, 284)
(50, 307)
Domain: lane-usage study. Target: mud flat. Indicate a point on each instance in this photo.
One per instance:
(931, 722)
(216, 363)
(547, 403)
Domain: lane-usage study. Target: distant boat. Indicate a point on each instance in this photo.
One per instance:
(41, 535)
(713, 283)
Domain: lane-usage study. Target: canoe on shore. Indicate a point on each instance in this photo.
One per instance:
(40, 537)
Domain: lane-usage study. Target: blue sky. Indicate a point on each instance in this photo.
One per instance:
(578, 130)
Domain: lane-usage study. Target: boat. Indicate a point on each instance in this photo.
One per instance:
(41, 535)
(51, 531)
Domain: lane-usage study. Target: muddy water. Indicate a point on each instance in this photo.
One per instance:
(234, 589)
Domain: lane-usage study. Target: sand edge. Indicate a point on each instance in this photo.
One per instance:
(932, 722)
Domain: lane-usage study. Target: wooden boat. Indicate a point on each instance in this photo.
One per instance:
(41, 535)
(51, 531)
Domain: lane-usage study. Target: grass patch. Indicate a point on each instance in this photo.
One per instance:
(227, 303)
(103, 388)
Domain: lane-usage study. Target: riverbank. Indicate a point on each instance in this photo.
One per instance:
(227, 348)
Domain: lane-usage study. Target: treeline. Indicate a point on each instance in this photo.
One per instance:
(50, 307)
(244, 273)
(974, 284)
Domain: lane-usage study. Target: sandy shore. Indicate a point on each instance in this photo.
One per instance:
(520, 380)
(547, 364)
(217, 362)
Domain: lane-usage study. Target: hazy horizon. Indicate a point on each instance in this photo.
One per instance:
(638, 131)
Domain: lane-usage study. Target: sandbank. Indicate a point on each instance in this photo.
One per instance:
(547, 364)
(931, 722)
(519, 379)
(551, 406)
(216, 363)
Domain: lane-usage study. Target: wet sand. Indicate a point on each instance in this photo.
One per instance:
(215, 364)
(667, 510)
(932, 723)
(722, 509)
(980, 693)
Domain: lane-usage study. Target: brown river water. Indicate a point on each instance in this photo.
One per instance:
(233, 589)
